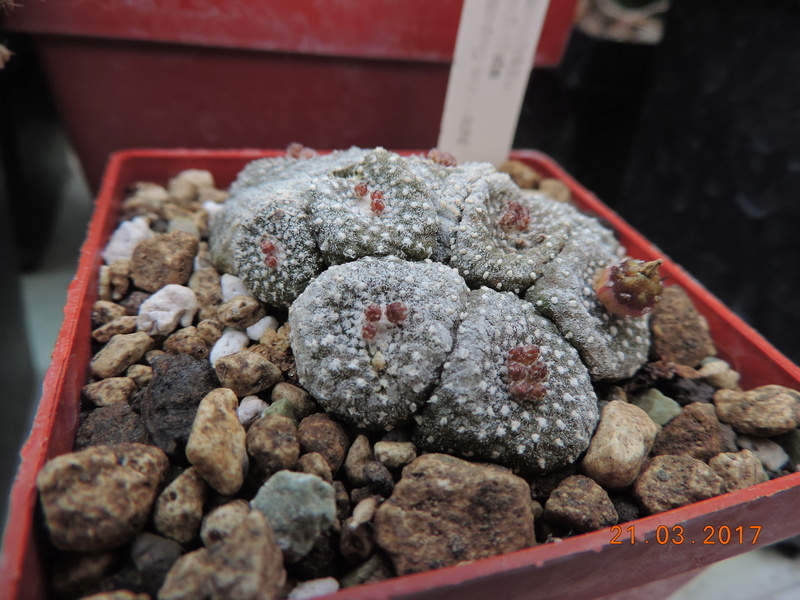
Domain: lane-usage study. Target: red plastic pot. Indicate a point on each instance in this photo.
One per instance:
(244, 73)
(585, 566)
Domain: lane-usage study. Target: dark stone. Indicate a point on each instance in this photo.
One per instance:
(686, 391)
(153, 556)
(170, 403)
(134, 300)
(379, 479)
(626, 507)
(113, 424)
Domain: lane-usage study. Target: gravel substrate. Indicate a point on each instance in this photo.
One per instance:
(345, 423)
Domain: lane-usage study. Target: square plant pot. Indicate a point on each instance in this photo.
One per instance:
(645, 552)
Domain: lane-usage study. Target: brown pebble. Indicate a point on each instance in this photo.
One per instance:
(205, 283)
(315, 463)
(767, 410)
(186, 341)
(120, 325)
(694, 432)
(210, 330)
(119, 278)
(140, 374)
(134, 301)
(76, 573)
(580, 504)
(555, 189)
(522, 174)
(738, 469)
(246, 373)
(680, 334)
(114, 390)
(241, 312)
(179, 509)
(673, 481)
(220, 522)
(109, 425)
(105, 311)
(300, 400)
(273, 446)
(163, 259)
(378, 479)
(119, 354)
(320, 433)
(359, 456)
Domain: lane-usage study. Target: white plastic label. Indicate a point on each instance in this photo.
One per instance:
(493, 58)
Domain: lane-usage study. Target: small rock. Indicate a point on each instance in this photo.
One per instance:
(76, 574)
(100, 498)
(250, 409)
(301, 402)
(141, 375)
(179, 508)
(579, 504)
(153, 556)
(276, 348)
(660, 408)
(171, 399)
(210, 330)
(120, 325)
(246, 373)
(119, 354)
(206, 287)
(241, 312)
(109, 425)
(152, 355)
(119, 272)
(320, 433)
(134, 302)
(114, 390)
(695, 432)
(462, 502)
(342, 500)
(314, 588)
(718, 374)
(378, 479)
(146, 198)
(257, 330)
(273, 446)
(126, 238)
(220, 522)
(555, 189)
(673, 481)
(357, 541)
(230, 342)
(170, 306)
(543, 485)
(522, 174)
(770, 453)
(186, 224)
(315, 463)
(686, 391)
(105, 311)
(738, 469)
(300, 508)
(247, 565)
(359, 456)
(626, 508)
(395, 455)
(679, 333)
(377, 568)
(164, 259)
(187, 341)
(765, 411)
(232, 286)
(216, 446)
(619, 446)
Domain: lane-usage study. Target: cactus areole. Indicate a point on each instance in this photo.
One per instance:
(441, 297)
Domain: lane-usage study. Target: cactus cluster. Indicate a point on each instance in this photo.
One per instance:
(440, 296)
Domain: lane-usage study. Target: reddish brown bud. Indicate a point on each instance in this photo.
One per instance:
(442, 158)
(368, 331)
(396, 312)
(361, 189)
(294, 149)
(372, 312)
(630, 288)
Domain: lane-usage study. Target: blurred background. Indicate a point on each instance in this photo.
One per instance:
(680, 114)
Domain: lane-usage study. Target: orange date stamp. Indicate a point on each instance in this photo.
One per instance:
(743, 535)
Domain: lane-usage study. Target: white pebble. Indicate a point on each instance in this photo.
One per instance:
(232, 286)
(250, 408)
(314, 588)
(161, 313)
(231, 342)
(256, 331)
(213, 209)
(125, 239)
